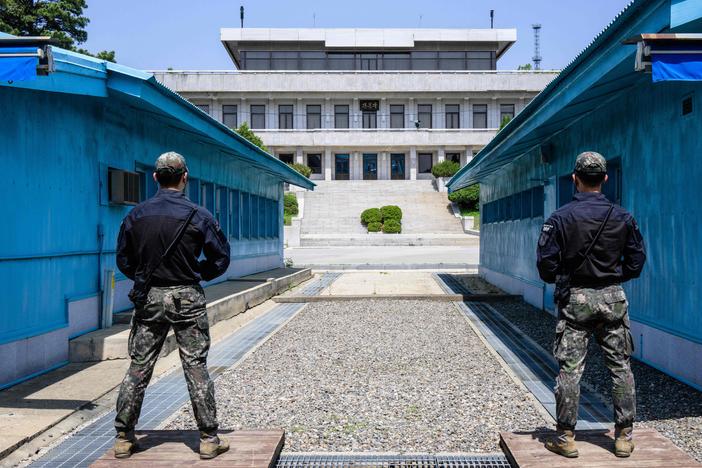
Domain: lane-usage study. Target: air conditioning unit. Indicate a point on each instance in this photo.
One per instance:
(124, 187)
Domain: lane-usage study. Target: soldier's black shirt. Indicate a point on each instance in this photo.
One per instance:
(151, 226)
(618, 255)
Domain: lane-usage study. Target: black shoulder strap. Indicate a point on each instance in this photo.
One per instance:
(597, 236)
(170, 248)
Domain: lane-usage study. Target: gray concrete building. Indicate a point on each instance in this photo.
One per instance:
(364, 103)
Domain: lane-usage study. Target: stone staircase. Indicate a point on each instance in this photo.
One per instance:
(333, 210)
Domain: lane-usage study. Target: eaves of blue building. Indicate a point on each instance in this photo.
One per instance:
(646, 122)
(62, 134)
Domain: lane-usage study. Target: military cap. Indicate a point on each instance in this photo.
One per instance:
(171, 162)
(590, 162)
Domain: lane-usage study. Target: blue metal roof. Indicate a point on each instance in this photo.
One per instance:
(84, 75)
(595, 76)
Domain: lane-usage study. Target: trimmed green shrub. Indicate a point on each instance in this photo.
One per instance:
(467, 197)
(374, 226)
(392, 227)
(445, 168)
(302, 169)
(371, 215)
(290, 204)
(391, 212)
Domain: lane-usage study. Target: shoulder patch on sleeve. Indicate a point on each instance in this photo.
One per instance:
(546, 232)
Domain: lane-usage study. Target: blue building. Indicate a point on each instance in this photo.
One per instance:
(78, 140)
(634, 95)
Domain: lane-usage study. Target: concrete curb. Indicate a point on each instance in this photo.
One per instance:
(111, 343)
(414, 297)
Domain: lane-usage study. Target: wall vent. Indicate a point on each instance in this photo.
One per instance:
(124, 187)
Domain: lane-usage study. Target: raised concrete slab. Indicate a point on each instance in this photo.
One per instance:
(395, 283)
(248, 449)
(225, 300)
(386, 258)
(596, 448)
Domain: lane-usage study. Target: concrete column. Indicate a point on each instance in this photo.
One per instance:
(383, 166)
(440, 154)
(355, 115)
(299, 155)
(244, 112)
(327, 114)
(384, 111)
(467, 114)
(493, 114)
(466, 156)
(271, 114)
(216, 109)
(299, 115)
(438, 120)
(413, 163)
(327, 164)
(411, 114)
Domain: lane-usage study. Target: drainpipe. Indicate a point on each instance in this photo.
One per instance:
(100, 239)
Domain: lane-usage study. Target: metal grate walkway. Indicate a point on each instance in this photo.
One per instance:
(169, 393)
(165, 396)
(535, 367)
(301, 460)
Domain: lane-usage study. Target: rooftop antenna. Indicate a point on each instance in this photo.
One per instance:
(492, 19)
(537, 46)
(420, 21)
(314, 20)
(241, 15)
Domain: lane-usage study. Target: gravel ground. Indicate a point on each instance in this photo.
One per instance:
(406, 376)
(671, 407)
(476, 285)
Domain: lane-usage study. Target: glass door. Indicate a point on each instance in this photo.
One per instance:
(341, 167)
(370, 166)
(397, 166)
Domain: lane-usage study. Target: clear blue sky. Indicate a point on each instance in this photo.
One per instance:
(184, 34)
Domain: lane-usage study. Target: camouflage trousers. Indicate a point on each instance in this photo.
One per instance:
(183, 308)
(601, 312)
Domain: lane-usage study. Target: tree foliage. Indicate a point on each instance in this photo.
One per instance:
(62, 20)
(249, 134)
(526, 66)
(446, 168)
(467, 197)
(302, 169)
(505, 120)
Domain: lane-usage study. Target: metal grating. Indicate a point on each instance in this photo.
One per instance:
(301, 460)
(165, 396)
(319, 284)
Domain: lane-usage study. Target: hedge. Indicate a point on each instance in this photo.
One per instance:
(391, 212)
(302, 169)
(445, 168)
(392, 227)
(290, 204)
(374, 227)
(371, 215)
(467, 197)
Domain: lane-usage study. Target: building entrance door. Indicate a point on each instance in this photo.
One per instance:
(370, 166)
(341, 167)
(397, 166)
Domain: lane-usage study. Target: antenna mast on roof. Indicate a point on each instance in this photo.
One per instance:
(537, 46)
(492, 19)
(241, 15)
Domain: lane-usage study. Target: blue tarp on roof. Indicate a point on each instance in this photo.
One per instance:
(676, 67)
(18, 68)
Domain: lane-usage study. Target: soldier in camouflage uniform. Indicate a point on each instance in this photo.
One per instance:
(174, 298)
(590, 298)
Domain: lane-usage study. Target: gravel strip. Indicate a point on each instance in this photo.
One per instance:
(669, 406)
(398, 376)
(476, 285)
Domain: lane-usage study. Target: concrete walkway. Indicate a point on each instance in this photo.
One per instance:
(387, 258)
(372, 283)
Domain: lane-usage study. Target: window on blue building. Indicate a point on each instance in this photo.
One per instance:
(246, 215)
(192, 190)
(612, 189)
(222, 209)
(566, 189)
(234, 213)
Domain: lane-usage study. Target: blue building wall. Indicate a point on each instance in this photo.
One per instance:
(658, 150)
(55, 150)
